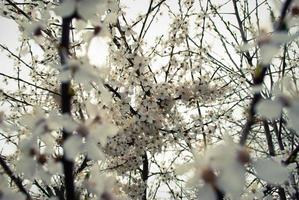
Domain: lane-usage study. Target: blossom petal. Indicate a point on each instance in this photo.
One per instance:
(269, 109)
(232, 180)
(106, 130)
(93, 151)
(27, 166)
(72, 147)
(271, 171)
(268, 51)
(206, 193)
(12, 196)
(87, 9)
(66, 9)
(293, 114)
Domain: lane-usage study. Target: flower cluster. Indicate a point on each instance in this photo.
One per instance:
(222, 171)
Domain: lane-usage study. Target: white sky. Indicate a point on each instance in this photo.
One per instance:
(8, 37)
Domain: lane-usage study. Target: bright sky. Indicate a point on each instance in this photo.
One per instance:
(8, 37)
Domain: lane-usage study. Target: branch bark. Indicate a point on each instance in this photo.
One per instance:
(66, 98)
(145, 173)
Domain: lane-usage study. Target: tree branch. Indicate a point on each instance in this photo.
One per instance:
(66, 98)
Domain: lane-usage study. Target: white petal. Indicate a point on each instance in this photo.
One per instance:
(68, 123)
(105, 96)
(93, 151)
(26, 144)
(28, 120)
(92, 109)
(64, 76)
(54, 167)
(293, 114)
(66, 9)
(103, 131)
(282, 37)
(43, 175)
(54, 120)
(232, 180)
(271, 171)
(72, 146)
(268, 51)
(87, 9)
(31, 28)
(27, 166)
(256, 89)
(206, 193)
(269, 109)
(110, 129)
(247, 46)
(12, 196)
(184, 168)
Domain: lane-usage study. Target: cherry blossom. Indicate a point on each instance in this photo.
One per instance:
(271, 171)
(269, 109)
(84, 9)
(158, 115)
(95, 131)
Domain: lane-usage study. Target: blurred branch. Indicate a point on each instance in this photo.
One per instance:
(14, 178)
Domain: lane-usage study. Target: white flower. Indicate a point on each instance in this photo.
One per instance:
(54, 167)
(35, 121)
(293, 114)
(7, 128)
(220, 170)
(230, 158)
(98, 124)
(86, 9)
(72, 147)
(82, 72)
(98, 183)
(92, 149)
(202, 177)
(26, 166)
(271, 171)
(197, 167)
(95, 131)
(34, 29)
(269, 108)
(9, 195)
(40, 122)
(79, 70)
(206, 193)
(268, 51)
(232, 180)
(269, 44)
(65, 121)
